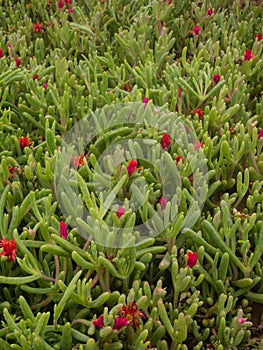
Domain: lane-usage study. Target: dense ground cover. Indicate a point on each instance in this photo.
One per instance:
(177, 86)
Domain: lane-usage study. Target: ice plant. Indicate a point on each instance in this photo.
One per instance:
(35, 77)
(132, 314)
(45, 86)
(24, 142)
(18, 62)
(98, 323)
(120, 212)
(166, 141)
(242, 320)
(9, 249)
(199, 112)
(37, 28)
(248, 55)
(191, 259)
(210, 12)
(131, 167)
(120, 322)
(216, 78)
(260, 134)
(63, 230)
(196, 30)
(163, 202)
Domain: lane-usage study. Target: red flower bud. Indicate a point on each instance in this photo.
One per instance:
(191, 259)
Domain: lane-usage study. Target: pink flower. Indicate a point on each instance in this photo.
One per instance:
(99, 322)
(63, 230)
(191, 259)
(120, 322)
(199, 112)
(35, 77)
(60, 4)
(146, 100)
(248, 55)
(216, 78)
(163, 202)
(131, 167)
(196, 30)
(120, 212)
(9, 249)
(18, 62)
(166, 141)
(45, 86)
(242, 320)
(210, 12)
(9, 46)
(260, 134)
(131, 314)
(70, 10)
(259, 37)
(178, 159)
(67, 2)
(198, 145)
(78, 161)
(37, 28)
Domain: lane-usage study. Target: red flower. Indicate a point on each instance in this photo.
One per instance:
(35, 77)
(166, 141)
(198, 145)
(260, 134)
(1, 53)
(18, 62)
(196, 30)
(120, 212)
(11, 171)
(120, 322)
(131, 167)
(178, 158)
(70, 10)
(145, 100)
(191, 259)
(259, 37)
(24, 142)
(209, 12)
(99, 322)
(78, 160)
(63, 230)
(67, 2)
(199, 112)
(60, 4)
(37, 28)
(132, 314)
(163, 202)
(216, 78)
(9, 249)
(248, 55)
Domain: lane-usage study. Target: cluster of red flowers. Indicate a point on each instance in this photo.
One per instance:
(62, 3)
(9, 249)
(129, 315)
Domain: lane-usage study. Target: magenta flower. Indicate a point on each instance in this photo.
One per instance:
(99, 322)
(260, 134)
(18, 62)
(9, 46)
(196, 30)
(216, 78)
(242, 320)
(120, 322)
(60, 4)
(70, 10)
(163, 202)
(9, 249)
(248, 55)
(179, 92)
(131, 167)
(1, 53)
(63, 230)
(45, 86)
(191, 259)
(120, 212)
(145, 100)
(210, 12)
(35, 77)
(259, 37)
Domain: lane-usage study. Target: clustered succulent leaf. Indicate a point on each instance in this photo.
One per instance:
(188, 67)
